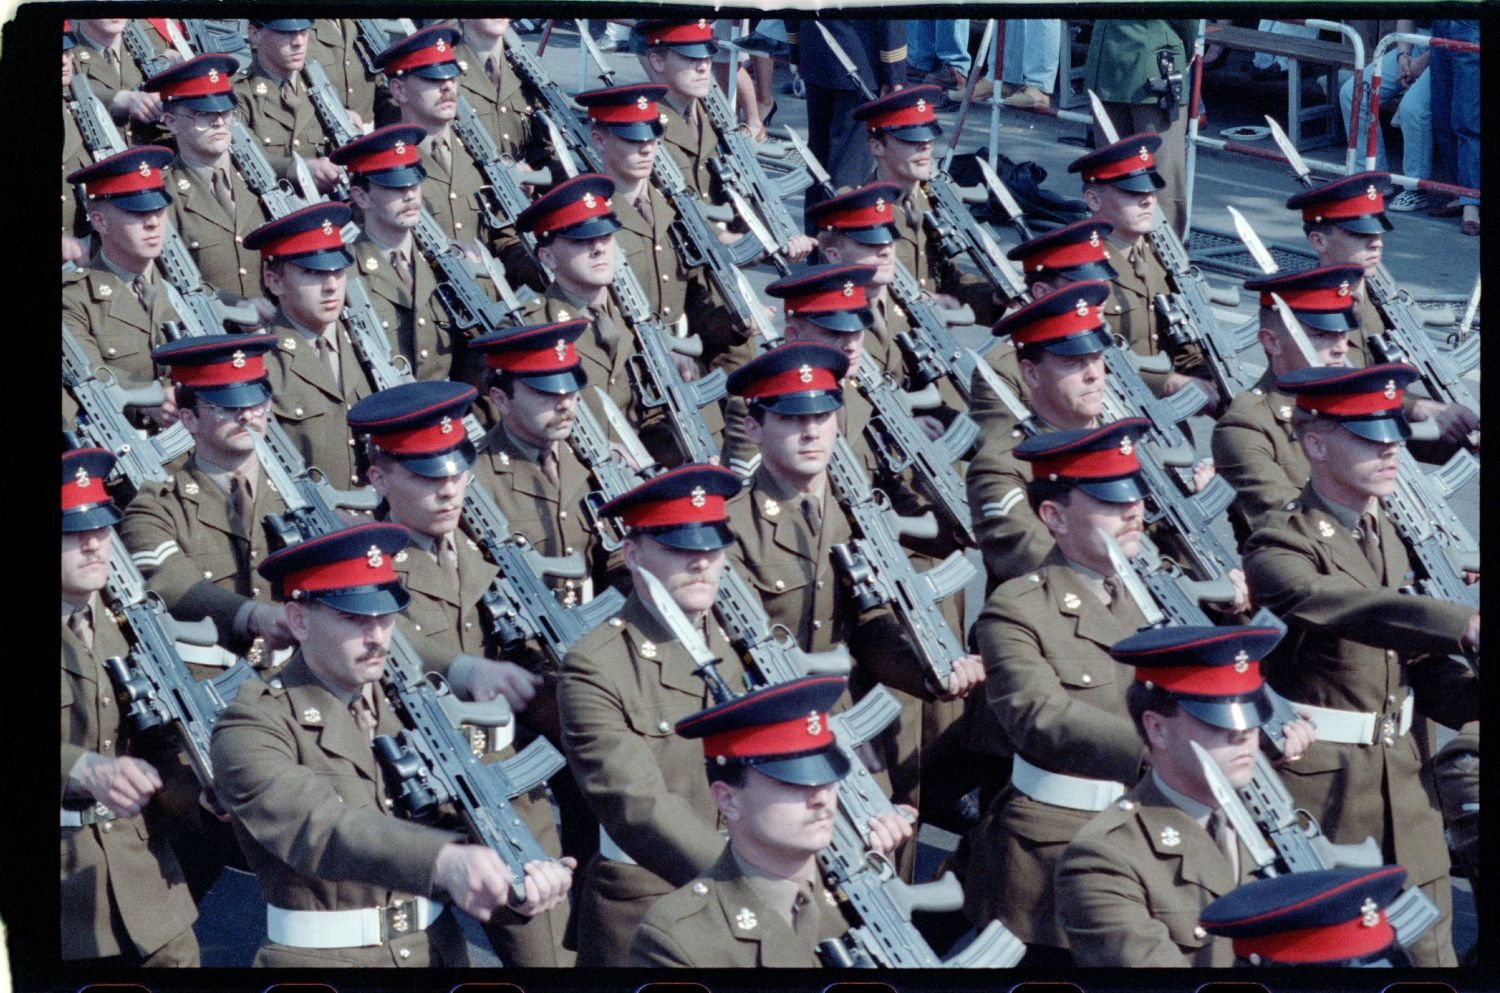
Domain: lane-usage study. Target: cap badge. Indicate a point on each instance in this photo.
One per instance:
(260, 89)
(441, 45)
(1081, 308)
(1390, 389)
(1370, 193)
(699, 496)
(374, 558)
(771, 508)
(446, 425)
(921, 105)
(327, 227)
(848, 288)
(1169, 837)
(81, 477)
(880, 205)
(642, 103)
(1369, 913)
(745, 919)
(1242, 661)
(1071, 601)
(702, 24)
(312, 715)
(1094, 238)
(1325, 529)
(400, 149)
(805, 374)
(560, 349)
(1144, 154)
(1127, 447)
(648, 649)
(814, 724)
(237, 360)
(213, 75)
(590, 201)
(1344, 288)
(145, 168)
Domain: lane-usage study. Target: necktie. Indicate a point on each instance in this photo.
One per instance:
(1137, 261)
(329, 347)
(548, 464)
(82, 626)
(493, 71)
(402, 269)
(112, 58)
(364, 714)
(142, 291)
(241, 503)
(223, 191)
(1223, 835)
(1369, 543)
(442, 154)
(448, 559)
(812, 511)
(643, 205)
(1121, 607)
(289, 94)
(606, 333)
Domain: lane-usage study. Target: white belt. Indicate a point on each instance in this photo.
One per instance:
(610, 850)
(350, 928)
(97, 814)
(1353, 727)
(1073, 792)
(215, 656)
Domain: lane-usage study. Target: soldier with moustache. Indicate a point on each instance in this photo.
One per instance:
(346, 883)
(112, 303)
(1345, 224)
(314, 369)
(273, 98)
(385, 183)
(622, 689)
(773, 769)
(900, 129)
(213, 209)
(1120, 186)
(1361, 656)
(423, 75)
(1254, 446)
(1134, 881)
(420, 463)
(123, 898)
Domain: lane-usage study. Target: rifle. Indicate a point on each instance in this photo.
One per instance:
(1403, 339)
(102, 422)
(875, 567)
(1263, 808)
(152, 684)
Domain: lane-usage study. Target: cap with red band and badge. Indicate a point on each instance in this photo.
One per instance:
(692, 39)
(543, 356)
(1322, 298)
(832, 296)
(387, 156)
(310, 237)
(1365, 401)
(349, 570)
(201, 83)
(781, 731)
(682, 508)
(909, 114)
(1076, 251)
(419, 425)
(427, 53)
(630, 112)
(85, 504)
(1129, 164)
(1099, 461)
(130, 180)
(866, 214)
(1067, 321)
(577, 209)
(1212, 672)
(1355, 203)
(795, 379)
(226, 370)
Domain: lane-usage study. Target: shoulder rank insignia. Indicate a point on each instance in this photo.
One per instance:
(1071, 601)
(745, 919)
(770, 508)
(312, 715)
(1324, 528)
(400, 557)
(1169, 837)
(648, 649)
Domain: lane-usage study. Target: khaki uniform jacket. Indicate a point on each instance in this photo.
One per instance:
(182, 539)
(106, 80)
(691, 144)
(918, 250)
(1357, 644)
(311, 815)
(310, 406)
(1132, 885)
(985, 406)
(502, 106)
(623, 688)
(215, 239)
(415, 323)
(75, 155)
(1056, 698)
(671, 288)
(721, 921)
(449, 193)
(1011, 537)
(112, 328)
(331, 43)
(121, 888)
(1129, 309)
(281, 130)
(1257, 453)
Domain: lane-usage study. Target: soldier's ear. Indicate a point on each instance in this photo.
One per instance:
(1051, 514)
(1314, 446)
(752, 430)
(1154, 725)
(296, 619)
(1092, 199)
(727, 799)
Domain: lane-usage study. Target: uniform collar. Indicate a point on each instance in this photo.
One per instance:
(527, 450)
(1197, 811)
(776, 892)
(1347, 517)
(124, 275)
(69, 609)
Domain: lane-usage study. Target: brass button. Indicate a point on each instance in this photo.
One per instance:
(297, 411)
(421, 322)
(780, 585)
(405, 953)
(208, 574)
(107, 743)
(1086, 678)
(562, 515)
(296, 142)
(107, 826)
(110, 350)
(663, 727)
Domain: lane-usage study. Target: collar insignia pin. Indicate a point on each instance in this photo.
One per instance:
(1169, 837)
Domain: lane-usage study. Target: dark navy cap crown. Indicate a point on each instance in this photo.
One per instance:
(1129, 163)
(542, 356)
(85, 504)
(781, 730)
(1305, 918)
(427, 53)
(1078, 251)
(693, 39)
(1067, 321)
(1366, 401)
(1099, 461)
(831, 295)
(682, 508)
(349, 570)
(1212, 672)
(420, 425)
(800, 377)
(387, 156)
(1355, 203)
(287, 24)
(311, 237)
(909, 114)
(226, 370)
(577, 209)
(131, 180)
(1322, 298)
(201, 83)
(628, 111)
(866, 214)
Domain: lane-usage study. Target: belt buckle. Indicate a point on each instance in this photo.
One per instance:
(1387, 728)
(398, 920)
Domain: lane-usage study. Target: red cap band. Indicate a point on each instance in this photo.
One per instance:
(436, 53)
(587, 206)
(920, 112)
(1063, 256)
(1218, 680)
(1371, 201)
(1108, 463)
(802, 380)
(1352, 939)
(440, 437)
(640, 109)
(1353, 404)
(143, 177)
(238, 368)
(872, 216)
(398, 156)
(1143, 159)
(851, 297)
(1076, 321)
(1321, 299)
(551, 359)
(692, 32)
(370, 570)
(84, 490)
(209, 84)
(804, 733)
(318, 239)
(699, 507)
